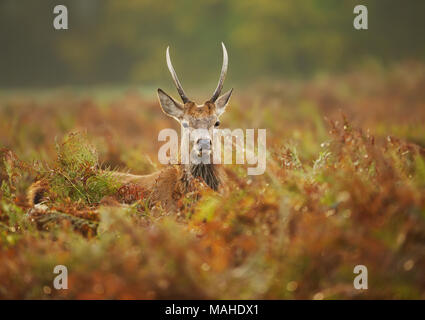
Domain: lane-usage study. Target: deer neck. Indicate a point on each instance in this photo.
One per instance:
(207, 172)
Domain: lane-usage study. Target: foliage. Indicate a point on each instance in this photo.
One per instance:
(78, 175)
(342, 188)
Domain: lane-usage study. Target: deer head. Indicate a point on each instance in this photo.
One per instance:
(197, 120)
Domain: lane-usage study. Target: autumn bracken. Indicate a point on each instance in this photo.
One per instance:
(344, 186)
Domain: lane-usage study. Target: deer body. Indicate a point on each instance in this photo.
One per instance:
(167, 185)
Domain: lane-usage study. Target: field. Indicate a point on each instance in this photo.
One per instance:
(344, 186)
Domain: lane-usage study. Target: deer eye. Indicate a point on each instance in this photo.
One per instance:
(217, 124)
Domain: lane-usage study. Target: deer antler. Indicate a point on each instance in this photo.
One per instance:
(176, 80)
(217, 91)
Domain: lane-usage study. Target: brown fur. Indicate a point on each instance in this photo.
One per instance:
(205, 110)
(171, 183)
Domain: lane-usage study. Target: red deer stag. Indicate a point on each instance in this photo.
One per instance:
(169, 184)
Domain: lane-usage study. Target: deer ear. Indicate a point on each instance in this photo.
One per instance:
(170, 106)
(222, 101)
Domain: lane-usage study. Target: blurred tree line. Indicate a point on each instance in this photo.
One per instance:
(113, 42)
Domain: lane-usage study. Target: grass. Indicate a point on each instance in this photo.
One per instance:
(344, 186)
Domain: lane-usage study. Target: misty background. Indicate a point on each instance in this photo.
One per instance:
(123, 42)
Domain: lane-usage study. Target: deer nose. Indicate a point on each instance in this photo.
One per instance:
(204, 144)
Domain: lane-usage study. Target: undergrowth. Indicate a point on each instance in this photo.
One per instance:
(336, 193)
